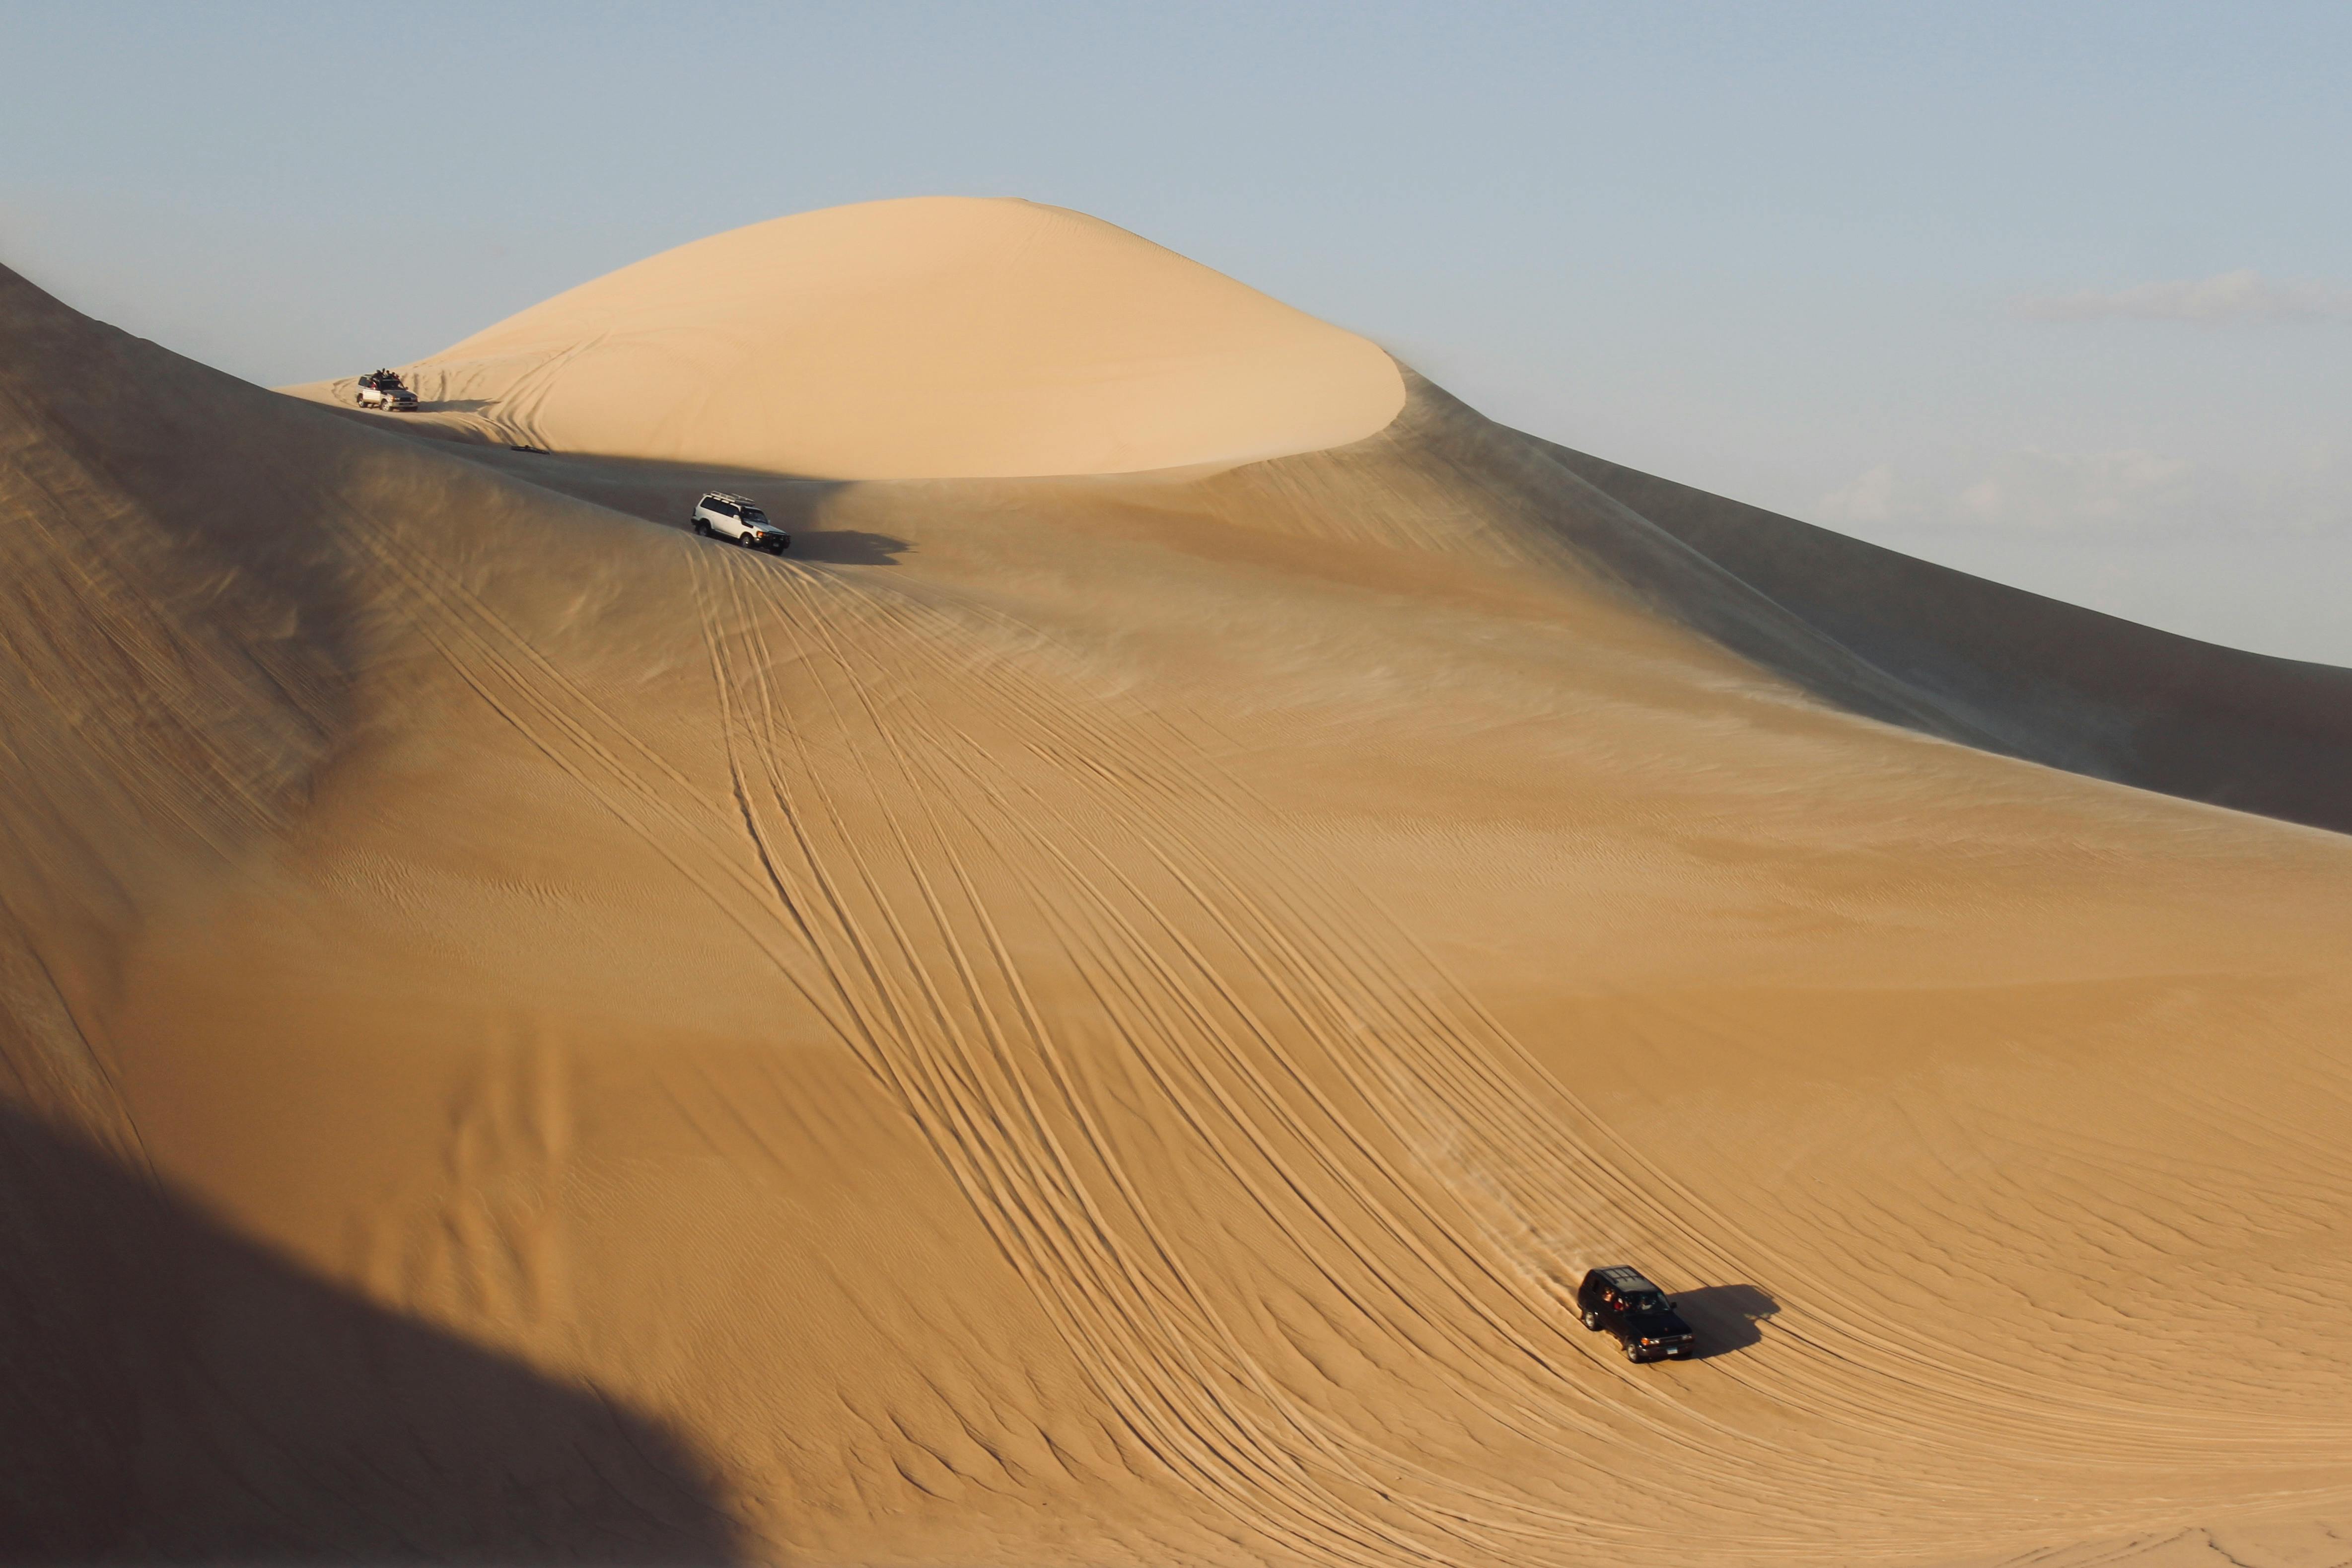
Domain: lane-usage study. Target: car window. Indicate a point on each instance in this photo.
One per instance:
(753, 514)
(721, 508)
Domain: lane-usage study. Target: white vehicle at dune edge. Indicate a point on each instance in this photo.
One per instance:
(381, 389)
(719, 515)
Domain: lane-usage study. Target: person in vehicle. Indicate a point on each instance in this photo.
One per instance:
(1622, 1301)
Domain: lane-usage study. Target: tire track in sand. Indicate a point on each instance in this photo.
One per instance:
(1320, 1065)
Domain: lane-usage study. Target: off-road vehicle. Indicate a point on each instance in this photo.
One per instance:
(382, 389)
(719, 515)
(1621, 1301)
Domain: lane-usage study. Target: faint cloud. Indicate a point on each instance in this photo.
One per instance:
(2034, 489)
(2244, 295)
(2131, 489)
(1870, 498)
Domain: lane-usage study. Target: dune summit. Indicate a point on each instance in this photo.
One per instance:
(1096, 1021)
(931, 336)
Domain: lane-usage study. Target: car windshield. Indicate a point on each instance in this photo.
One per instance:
(753, 514)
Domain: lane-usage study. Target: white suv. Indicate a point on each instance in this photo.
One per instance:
(722, 516)
(382, 389)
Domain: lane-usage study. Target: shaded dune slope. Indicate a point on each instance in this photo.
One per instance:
(1102, 1026)
(197, 621)
(2031, 676)
(176, 1393)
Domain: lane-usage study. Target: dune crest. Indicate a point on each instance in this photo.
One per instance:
(933, 337)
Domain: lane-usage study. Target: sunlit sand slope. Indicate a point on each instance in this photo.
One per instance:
(934, 336)
(1096, 1021)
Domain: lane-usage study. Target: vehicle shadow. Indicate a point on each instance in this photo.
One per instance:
(173, 1392)
(847, 547)
(1723, 1317)
(456, 405)
(839, 547)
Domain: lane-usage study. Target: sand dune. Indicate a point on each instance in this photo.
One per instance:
(934, 337)
(2031, 676)
(1096, 1019)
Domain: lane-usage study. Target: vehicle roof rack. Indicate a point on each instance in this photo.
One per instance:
(726, 495)
(1627, 1280)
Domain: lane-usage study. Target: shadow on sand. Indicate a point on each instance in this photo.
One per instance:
(169, 1391)
(847, 547)
(663, 492)
(1725, 1316)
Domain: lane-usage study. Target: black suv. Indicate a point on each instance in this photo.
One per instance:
(1637, 1312)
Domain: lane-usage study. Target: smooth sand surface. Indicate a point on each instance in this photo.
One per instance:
(933, 337)
(1098, 1020)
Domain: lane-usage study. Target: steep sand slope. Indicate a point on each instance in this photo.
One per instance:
(2029, 675)
(1095, 1020)
(931, 336)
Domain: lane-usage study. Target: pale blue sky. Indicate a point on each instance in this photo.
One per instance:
(2062, 294)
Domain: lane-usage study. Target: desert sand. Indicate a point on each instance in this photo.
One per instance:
(1089, 1015)
(927, 338)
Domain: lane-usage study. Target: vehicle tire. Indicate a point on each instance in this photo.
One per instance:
(698, 526)
(1633, 1354)
(1592, 1322)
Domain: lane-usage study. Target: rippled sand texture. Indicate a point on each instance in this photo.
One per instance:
(1098, 1019)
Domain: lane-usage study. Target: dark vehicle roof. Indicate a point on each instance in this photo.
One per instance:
(1626, 1280)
